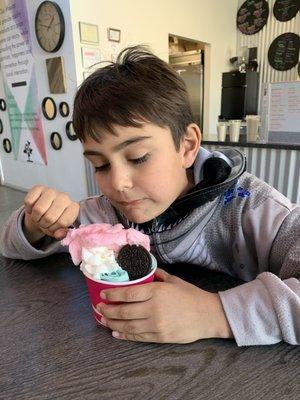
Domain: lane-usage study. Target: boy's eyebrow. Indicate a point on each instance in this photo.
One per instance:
(118, 147)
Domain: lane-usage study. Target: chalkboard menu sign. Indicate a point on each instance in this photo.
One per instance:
(252, 16)
(283, 52)
(284, 10)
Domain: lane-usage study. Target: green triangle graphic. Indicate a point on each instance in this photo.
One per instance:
(15, 119)
(33, 120)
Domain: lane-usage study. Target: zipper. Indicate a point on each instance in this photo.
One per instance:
(154, 243)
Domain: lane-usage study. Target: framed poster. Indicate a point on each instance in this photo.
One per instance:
(114, 35)
(88, 33)
(90, 56)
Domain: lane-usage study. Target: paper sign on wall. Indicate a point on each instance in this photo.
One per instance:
(90, 56)
(20, 85)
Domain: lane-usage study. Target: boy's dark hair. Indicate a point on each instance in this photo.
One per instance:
(139, 87)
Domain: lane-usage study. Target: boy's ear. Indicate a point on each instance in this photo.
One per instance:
(190, 144)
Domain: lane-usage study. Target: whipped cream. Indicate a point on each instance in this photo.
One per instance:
(100, 263)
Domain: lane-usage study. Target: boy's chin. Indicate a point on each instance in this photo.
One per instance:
(139, 219)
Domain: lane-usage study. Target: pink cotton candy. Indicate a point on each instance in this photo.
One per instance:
(94, 235)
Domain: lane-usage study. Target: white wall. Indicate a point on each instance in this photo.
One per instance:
(65, 170)
(150, 22)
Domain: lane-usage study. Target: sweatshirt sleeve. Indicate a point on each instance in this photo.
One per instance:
(13, 243)
(267, 309)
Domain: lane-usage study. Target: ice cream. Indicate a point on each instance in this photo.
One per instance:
(110, 252)
(100, 263)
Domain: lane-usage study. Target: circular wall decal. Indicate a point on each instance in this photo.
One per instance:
(2, 105)
(49, 108)
(70, 131)
(56, 141)
(283, 52)
(1, 127)
(284, 10)
(7, 145)
(252, 16)
(64, 109)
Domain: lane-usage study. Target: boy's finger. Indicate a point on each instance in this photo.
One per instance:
(162, 275)
(67, 218)
(60, 234)
(31, 198)
(129, 294)
(124, 311)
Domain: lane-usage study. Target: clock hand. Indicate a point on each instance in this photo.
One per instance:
(50, 23)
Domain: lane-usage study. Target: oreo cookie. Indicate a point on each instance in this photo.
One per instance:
(136, 260)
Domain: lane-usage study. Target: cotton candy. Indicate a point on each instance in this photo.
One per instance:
(94, 235)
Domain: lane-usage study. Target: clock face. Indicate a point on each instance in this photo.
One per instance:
(49, 26)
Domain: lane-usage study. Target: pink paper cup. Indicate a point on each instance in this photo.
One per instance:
(96, 286)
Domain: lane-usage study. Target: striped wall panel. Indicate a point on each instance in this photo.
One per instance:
(279, 168)
(262, 41)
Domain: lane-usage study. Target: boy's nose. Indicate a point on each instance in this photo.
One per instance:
(121, 179)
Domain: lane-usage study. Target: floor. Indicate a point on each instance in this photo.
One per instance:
(10, 199)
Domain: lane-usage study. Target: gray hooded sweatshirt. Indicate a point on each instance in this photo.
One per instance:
(240, 226)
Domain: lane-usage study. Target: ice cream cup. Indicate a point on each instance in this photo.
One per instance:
(96, 286)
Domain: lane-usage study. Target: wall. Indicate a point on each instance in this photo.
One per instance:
(140, 22)
(150, 22)
(65, 170)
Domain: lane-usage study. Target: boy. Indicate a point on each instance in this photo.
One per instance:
(135, 123)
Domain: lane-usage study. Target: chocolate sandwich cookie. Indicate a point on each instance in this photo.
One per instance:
(136, 260)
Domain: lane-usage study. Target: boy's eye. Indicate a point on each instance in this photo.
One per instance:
(101, 168)
(139, 160)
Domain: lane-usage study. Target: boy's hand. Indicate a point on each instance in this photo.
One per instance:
(48, 212)
(169, 311)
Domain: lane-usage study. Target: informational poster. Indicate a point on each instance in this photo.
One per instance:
(90, 57)
(17, 65)
(285, 107)
(284, 112)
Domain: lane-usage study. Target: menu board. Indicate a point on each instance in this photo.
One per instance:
(284, 111)
(252, 16)
(284, 10)
(283, 52)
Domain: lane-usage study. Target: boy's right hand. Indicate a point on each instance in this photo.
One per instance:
(48, 212)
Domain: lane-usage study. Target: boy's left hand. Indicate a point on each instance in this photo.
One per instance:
(168, 311)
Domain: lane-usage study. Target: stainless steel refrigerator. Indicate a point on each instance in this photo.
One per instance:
(190, 66)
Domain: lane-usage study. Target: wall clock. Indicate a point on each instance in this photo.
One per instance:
(49, 26)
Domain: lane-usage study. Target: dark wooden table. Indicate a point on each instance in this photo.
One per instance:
(51, 347)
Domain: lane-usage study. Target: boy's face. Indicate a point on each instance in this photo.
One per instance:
(139, 170)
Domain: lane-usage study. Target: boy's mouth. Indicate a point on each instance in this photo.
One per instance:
(130, 203)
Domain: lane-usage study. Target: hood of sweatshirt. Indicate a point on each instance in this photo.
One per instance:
(214, 173)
